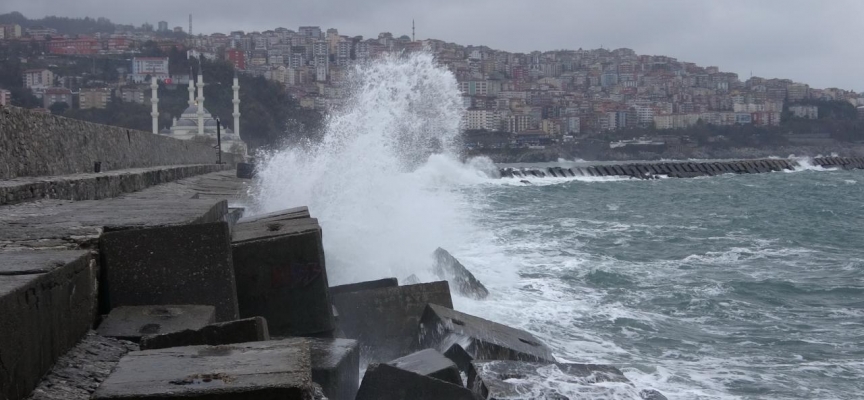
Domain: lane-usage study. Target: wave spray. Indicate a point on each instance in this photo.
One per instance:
(383, 182)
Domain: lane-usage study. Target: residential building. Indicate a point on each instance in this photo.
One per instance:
(156, 67)
(11, 31)
(518, 123)
(313, 32)
(808, 112)
(482, 119)
(5, 97)
(38, 79)
(56, 95)
(94, 98)
(236, 57)
(132, 95)
(163, 26)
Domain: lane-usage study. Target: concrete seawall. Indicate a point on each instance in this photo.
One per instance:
(39, 144)
(679, 169)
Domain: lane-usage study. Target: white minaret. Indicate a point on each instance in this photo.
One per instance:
(200, 103)
(191, 89)
(236, 101)
(154, 100)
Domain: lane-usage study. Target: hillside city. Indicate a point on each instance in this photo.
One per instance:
(512, 100)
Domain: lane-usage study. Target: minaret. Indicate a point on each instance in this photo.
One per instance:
(154, 100)
(200, 102)
(413, 39)
(236, 101)
(191, 88)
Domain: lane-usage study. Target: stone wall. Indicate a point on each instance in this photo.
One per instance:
(38, 144)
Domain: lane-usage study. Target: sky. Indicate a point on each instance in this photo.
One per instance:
(818, 42)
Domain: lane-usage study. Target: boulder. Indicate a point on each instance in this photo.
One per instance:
(187, 264)
(450, 269)
(442, 327)
(239, 331)
(386, 382)
(386, 320)
(134, 322)
(257, 370)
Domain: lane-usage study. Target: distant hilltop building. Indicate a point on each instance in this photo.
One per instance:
(153, 66)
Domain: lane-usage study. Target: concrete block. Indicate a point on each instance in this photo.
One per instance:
(441, 327)
(493, 380)
(189, 264)
(239, 331)
(335, 366)
(257, 370)
(134, 322)
(47, 304)
(281, 215)
(386, 382)
(246, 170)
(367, 285)
(618, 170)
(449, 268)
(386, 320)
(429, 363)
(281, 275)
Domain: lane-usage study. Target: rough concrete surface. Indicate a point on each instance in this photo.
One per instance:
(189, 264)
(134, 322)
(386, 382)
(268, 370)
(47, 303)
(239, 331)
(431, 363)
(367, 285)
(386, 320)
(441, 327)
(78, 373)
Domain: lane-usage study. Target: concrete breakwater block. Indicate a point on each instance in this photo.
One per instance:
(134, 322)
(189, 264)
(246, 170)
(281, 215)
(449, 268)
(47, 304)
(239, 331)
(386, 382)
(360, 286)
(335, 366)
(431, 363)
(386, 320)
(281, 275)
(442, 327)
(496, 380)
(257, 370)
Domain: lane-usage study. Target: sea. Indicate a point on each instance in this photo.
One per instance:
(724, 287)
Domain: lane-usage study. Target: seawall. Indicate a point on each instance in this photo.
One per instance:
(40, 144)
(680, 169)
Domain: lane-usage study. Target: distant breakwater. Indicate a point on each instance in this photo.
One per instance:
(680, 169)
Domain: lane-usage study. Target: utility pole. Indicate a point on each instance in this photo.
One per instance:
(218, 141)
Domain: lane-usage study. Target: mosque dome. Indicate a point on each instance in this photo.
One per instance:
(194, 110)
(186, 122)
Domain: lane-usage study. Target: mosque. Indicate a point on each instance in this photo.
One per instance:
(197, 121)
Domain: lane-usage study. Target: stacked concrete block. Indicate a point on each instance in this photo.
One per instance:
(431, 363)
(442, 327)
(47, 304)
(239, 331)
(281, 274)
(386, 320)
(335, 366)
(188, 264)
(360, 286)
(257, 370)
(386, 382)
(134, 322)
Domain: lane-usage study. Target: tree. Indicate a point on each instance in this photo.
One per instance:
(59, 108)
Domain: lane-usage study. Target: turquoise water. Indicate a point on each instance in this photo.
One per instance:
(726, 287)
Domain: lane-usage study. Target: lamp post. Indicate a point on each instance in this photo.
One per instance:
(218, 141)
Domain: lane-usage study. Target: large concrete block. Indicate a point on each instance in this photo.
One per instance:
(493, 380)
(47, 304)
(431, 363)
(449, 268)
(239, 331)
(258, 370)
(134, 322)
(336, 366)
(281, 215)
(281, 275)
(386, 320)
(442, 327)
(190, 264)
(360, 286)
(386, 382)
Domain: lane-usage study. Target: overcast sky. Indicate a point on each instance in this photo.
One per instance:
(819, 42)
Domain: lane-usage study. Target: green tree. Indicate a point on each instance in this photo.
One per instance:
(59, 108)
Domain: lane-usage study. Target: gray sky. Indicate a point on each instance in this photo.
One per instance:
(818, 42)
